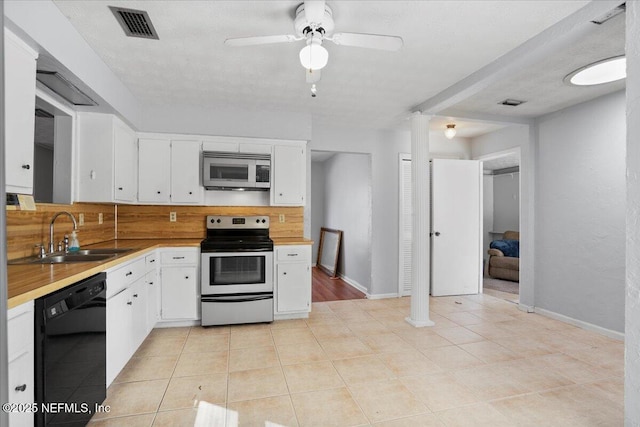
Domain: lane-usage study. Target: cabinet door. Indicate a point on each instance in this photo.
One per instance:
(185, 172)
(119, 338)
(125, 162)
(154, 178)
(289, 175)
(21, 385)
(20, 99)
(139, 313)
(153, 299)
(179, 293)
(293, 287)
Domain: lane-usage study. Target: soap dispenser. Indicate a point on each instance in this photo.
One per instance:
(74, 245)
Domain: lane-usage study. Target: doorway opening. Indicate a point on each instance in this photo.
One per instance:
(501, 220)
(341, 200)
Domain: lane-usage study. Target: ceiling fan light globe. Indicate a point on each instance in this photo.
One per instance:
(314, 57)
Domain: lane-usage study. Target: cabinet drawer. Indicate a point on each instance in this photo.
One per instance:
(124, 276)
(20, 329)
(150, 261)
(179, 257)
(293, 253)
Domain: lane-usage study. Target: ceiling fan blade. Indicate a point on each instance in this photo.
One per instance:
(370, 41)
(314, 11)
(254, 41)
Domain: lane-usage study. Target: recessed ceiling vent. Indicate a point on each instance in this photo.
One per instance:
(135, 23)
(44, 114)
(612, 13)
(511, 102)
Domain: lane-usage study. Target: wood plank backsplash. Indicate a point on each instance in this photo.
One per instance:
(147, 222)
(25, 229)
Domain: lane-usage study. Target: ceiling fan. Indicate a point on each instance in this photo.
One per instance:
(314, 23)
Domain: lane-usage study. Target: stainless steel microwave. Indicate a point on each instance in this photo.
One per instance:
(236, 171)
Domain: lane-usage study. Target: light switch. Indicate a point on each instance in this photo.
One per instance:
(281, 217)
(81, 219)
(100, 218)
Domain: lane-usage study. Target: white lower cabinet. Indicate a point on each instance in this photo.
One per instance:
(21, 360)
(292, 281)
(127, 314)
(153, 290)
(179, 278)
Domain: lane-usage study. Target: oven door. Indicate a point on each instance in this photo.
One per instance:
(222, 172)
(236, 272)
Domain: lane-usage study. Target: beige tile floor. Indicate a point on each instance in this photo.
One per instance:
(353, 363)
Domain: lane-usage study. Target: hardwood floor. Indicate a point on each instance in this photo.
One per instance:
(324, 288)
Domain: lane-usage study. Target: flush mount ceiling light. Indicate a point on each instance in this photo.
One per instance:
(450, 131)
(605, 71)
(313, 56)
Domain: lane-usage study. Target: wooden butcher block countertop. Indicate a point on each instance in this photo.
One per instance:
(30, 281)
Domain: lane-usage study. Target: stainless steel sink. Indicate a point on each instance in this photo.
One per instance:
(83, 255)
(58, 259)
(104, 251)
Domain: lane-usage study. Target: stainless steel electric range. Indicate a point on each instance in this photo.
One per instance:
(237, 271)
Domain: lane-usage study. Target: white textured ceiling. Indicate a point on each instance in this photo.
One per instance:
(542, 85)
(190, 66)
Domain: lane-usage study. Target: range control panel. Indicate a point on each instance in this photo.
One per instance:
(238, 222)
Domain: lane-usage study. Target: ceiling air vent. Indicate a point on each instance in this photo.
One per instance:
(609, 15)
(511, 102)
(44, 114)
(135, 23)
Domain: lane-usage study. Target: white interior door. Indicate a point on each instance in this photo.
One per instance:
(456, 226)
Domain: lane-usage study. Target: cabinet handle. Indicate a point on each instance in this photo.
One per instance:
(22, 387)
(129, 303)
(186, 277)
(285, 273)
(158, 192)
(27, 167)
(129, 273)
(151, 283)
(281, 194)
(178, 257)
(292, 254)
(190, 192)
(153, 260)
(120, 188)
(135, 295)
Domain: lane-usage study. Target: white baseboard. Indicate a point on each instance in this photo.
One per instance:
(526, 308)
(581, 324)
(354, 284)
(177, 323)
(382, 296)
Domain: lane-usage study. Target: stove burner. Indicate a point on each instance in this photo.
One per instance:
(237, 234)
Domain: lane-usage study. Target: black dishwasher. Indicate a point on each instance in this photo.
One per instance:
(70, 353)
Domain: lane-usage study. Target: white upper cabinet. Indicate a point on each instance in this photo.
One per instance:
(289, 175)
(169, 171)
(154, 179)
(107, 154)
(19, 121)
(185, 172)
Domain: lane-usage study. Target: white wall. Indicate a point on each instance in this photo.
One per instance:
(506, 202)
(317, 205)
(632, 325)
(347, 207)
(580, 212)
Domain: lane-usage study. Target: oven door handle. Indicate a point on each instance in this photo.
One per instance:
(237, 298)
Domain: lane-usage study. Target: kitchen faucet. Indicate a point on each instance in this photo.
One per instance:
(75, 227)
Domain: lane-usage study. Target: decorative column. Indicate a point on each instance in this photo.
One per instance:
(420, 222)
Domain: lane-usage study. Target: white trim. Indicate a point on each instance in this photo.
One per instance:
(382, 296)
(526, 308)
(289, 316)
(353, 284)
(581, 324)
(499, 154)
(177, 323)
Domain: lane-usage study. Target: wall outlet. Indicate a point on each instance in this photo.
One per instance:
(81, 219)
(281, 217)
(173, 217)
(100, 218)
